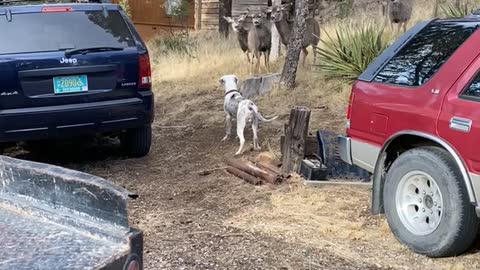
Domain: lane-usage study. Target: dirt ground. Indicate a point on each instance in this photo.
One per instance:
(217, 221)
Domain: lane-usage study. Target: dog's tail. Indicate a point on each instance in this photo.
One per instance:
(259, 116)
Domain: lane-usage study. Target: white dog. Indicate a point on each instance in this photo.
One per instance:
(241, 109)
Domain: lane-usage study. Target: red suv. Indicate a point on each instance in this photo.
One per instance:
(414, 122)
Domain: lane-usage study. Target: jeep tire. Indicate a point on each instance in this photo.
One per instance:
(427, 205)
(137, 141)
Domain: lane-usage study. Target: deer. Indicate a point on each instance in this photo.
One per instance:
(260, 37)
(240, 27)
(399, 12)
(284, 25)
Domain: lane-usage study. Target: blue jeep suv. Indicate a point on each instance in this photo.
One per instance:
(71, 70)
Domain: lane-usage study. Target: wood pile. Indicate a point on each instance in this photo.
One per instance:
(255, 174)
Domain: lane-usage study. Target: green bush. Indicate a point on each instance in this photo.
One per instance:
(456, 11)
(175, 42)
(125, 6)
(352, 48)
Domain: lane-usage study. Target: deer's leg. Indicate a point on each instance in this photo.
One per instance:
(405, 27)
(266, 55)
(399, 28)
(314, 56)
(268, 61)
(305, 53)
(248, 56)
(257, 64)
(252, 64)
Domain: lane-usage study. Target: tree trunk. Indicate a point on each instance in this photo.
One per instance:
(224, 9)
(293, 151)
(275, 54)
(289, 72)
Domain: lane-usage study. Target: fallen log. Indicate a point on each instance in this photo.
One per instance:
(269, 167)
(245, 176)
(251, 169)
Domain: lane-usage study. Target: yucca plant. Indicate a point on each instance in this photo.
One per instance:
(348, 52)
(458, 10)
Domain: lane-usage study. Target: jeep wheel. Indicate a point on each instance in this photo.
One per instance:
(427, 205)
(137, 141)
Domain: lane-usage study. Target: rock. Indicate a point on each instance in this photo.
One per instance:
(258, 86)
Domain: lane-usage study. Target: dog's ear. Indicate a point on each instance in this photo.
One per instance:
(221, 81)
(236, 79)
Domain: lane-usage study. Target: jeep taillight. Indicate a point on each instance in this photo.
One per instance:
(349, 108)
(145, 72)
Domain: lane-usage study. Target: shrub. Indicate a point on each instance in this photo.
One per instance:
(125, 6)
(456, 10)
(352, 48)
(179, 43)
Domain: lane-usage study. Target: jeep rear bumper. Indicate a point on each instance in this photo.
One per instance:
(73, 120)
(345, 149)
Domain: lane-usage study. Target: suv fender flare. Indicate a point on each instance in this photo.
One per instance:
(379, 172)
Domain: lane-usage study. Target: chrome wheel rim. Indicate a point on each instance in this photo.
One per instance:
(419, 203)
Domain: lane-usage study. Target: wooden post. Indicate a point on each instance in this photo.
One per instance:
(198, 14)
(295, 139)
(275, 53)
(224, 10)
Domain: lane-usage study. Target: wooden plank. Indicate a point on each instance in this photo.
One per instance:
(210, 17)
(295, 139)
(198, 14)
(210, 5)
(210, 20)
(211, 25)
(210, 11)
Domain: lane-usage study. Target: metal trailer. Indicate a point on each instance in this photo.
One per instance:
(56, 218)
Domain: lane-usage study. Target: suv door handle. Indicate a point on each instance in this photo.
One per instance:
(460, 124)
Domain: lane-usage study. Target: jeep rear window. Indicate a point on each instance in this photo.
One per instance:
(44, 32)
(419, 60)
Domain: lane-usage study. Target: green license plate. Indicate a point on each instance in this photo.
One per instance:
(70, 84)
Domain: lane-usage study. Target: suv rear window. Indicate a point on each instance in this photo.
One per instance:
(424, 54)
(43, 32)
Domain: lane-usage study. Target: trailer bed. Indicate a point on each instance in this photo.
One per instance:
(54, 218)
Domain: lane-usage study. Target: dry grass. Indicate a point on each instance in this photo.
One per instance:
(338, 219)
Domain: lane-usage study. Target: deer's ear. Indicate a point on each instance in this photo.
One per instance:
(268, 10)
(228, 19)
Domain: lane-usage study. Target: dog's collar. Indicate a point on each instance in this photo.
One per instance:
(231, 91)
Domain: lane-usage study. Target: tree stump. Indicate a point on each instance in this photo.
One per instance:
(289, 72)
(295, 139)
